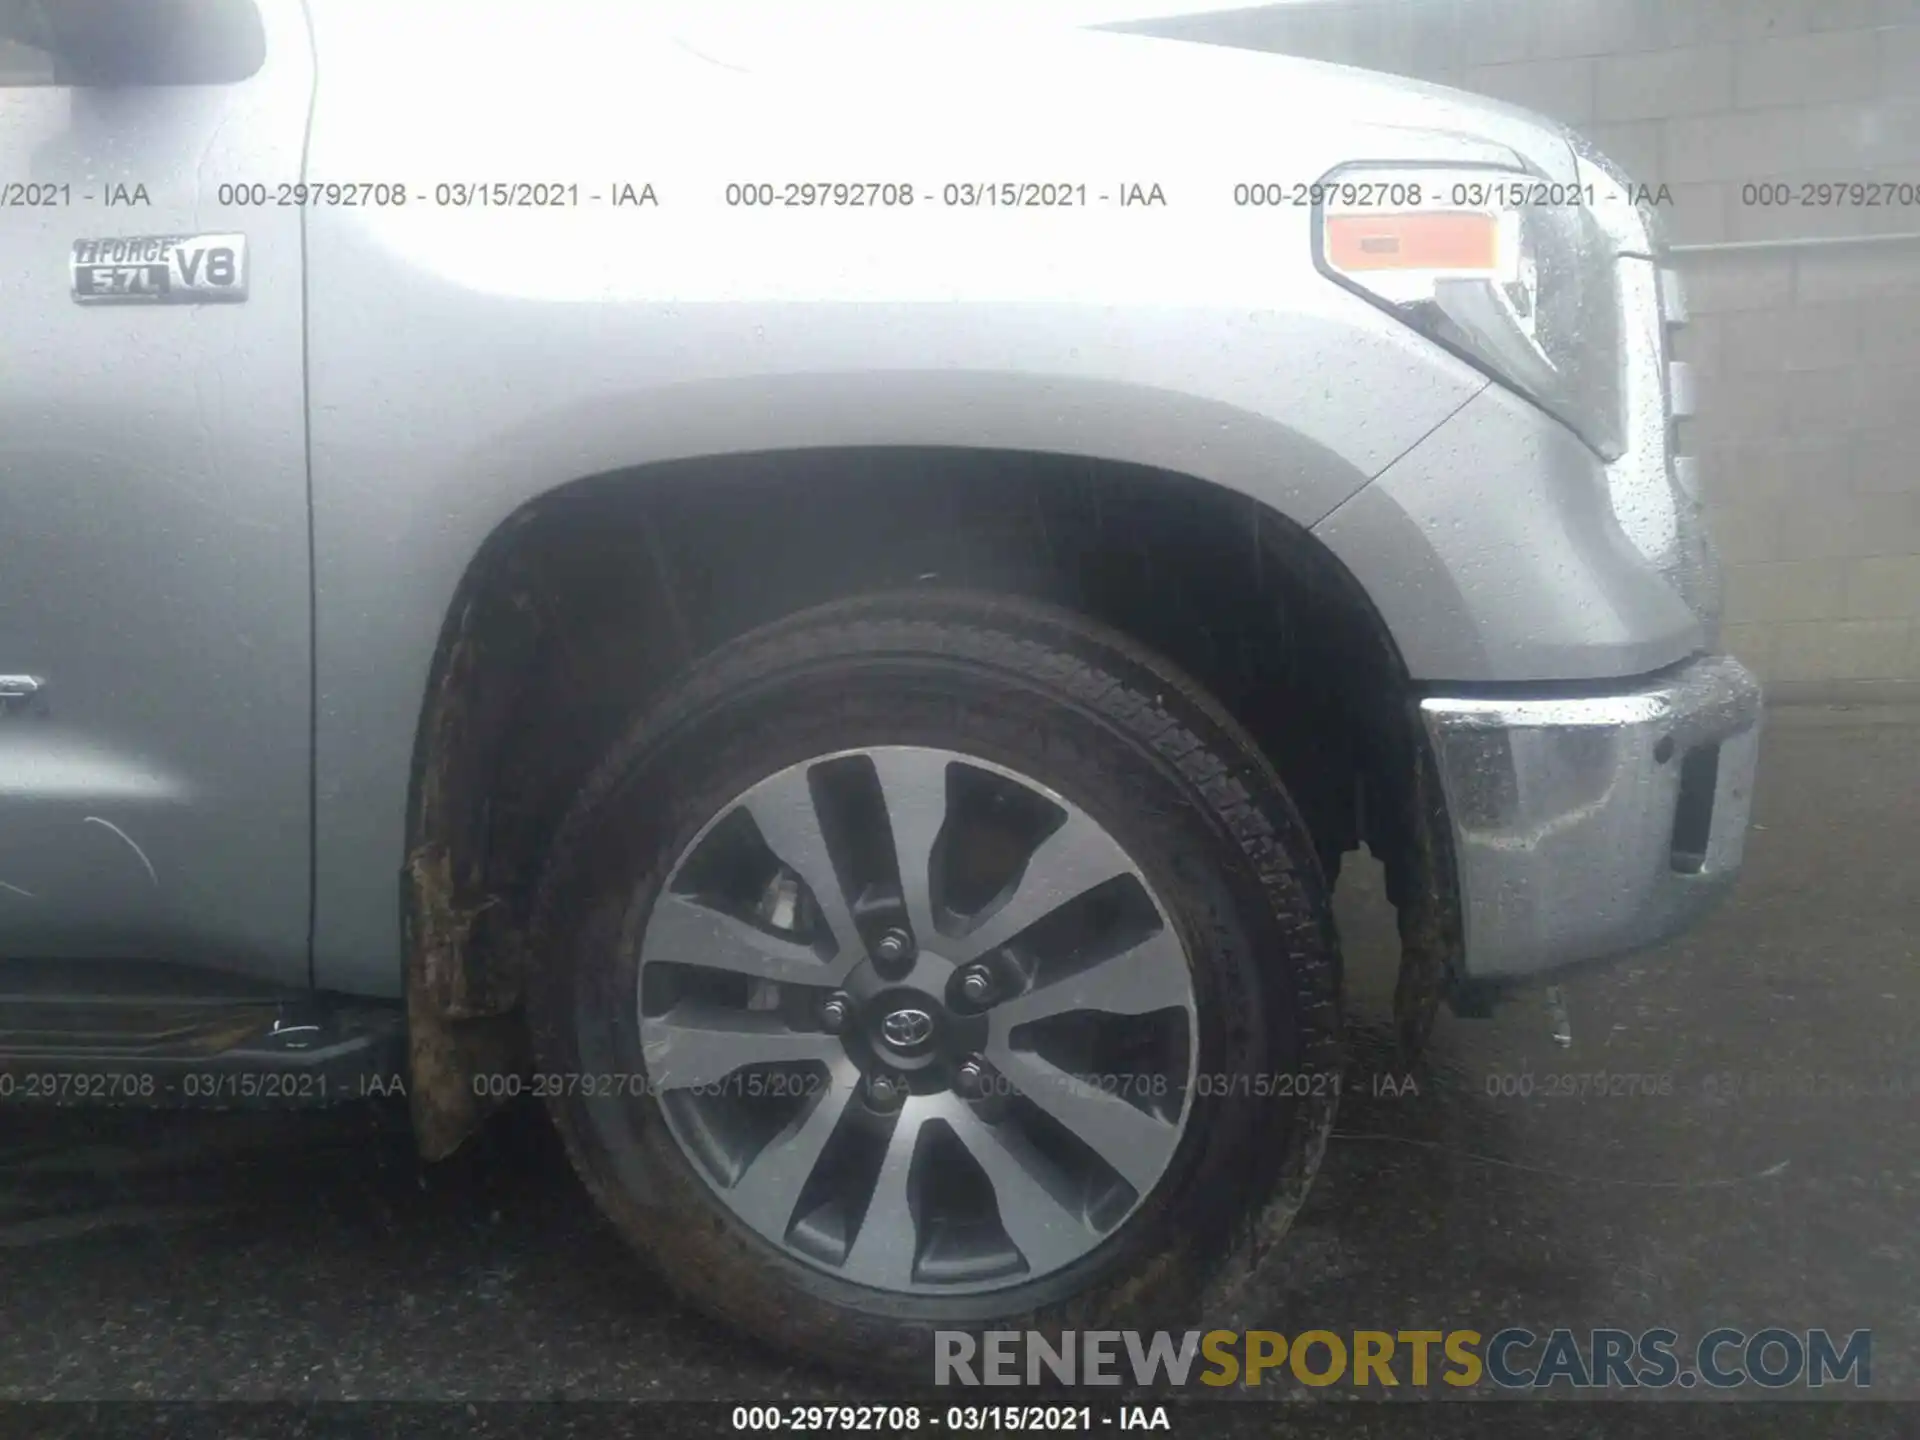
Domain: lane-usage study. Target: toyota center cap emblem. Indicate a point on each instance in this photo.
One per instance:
(904, 1028)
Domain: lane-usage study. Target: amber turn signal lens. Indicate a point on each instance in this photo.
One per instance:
(1454, 240)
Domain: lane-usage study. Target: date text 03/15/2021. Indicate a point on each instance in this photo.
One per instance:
(958, 1419)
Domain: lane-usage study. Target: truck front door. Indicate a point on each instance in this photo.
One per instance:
(155, 596)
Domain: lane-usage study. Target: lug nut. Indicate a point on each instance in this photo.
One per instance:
(885, 1093)
(834, 1014)
(976, 983)
(896, 944)
(970, 1080)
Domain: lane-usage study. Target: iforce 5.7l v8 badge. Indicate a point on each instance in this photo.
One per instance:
(160, 270)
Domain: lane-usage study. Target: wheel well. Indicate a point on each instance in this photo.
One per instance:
(591, 598)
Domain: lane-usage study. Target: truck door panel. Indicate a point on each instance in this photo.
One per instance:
(155, 781)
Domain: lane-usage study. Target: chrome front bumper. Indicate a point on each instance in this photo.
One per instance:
(1595, 825)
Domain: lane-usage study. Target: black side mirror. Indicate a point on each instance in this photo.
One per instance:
(107, 43)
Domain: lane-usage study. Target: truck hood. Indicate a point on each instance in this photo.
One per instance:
(959, 63)
(851, 83)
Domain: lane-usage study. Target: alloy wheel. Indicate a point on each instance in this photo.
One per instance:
(919, 1021)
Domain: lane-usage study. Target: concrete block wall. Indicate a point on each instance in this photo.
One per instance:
(1808, 355)
(23, 65)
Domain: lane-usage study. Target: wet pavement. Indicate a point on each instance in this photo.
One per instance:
(1760, 1168)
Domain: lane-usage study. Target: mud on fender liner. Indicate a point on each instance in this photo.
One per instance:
(447, 1051)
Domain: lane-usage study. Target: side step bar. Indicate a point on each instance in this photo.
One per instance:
(195, 1051)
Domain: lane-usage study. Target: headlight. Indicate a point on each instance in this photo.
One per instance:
(1510, 272)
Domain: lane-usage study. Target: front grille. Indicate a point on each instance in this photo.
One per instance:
(1697, 571)
(1655, 489)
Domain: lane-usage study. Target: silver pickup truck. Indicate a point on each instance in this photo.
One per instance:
(825, 595)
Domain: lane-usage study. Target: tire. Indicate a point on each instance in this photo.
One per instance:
(1117, 737)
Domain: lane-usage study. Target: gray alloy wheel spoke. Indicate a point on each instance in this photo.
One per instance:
(891, 1036)
(1140, 980)
(914, 785)
(1068, 863)
(702, 1044)
(1045, 1230)
(684, 932)
(1133, 1142)
(888, 1241)
(768, 1190)
(783, 809)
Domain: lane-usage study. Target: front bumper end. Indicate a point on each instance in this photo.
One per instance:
(1593, 825)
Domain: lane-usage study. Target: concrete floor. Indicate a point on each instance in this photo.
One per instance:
(274, 1256)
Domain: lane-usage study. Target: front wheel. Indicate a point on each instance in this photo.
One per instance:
(935, 962)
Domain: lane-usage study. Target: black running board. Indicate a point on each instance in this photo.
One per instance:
(185, 1050)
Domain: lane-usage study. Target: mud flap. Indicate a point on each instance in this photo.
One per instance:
(449, 1055)
(1426, 902)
